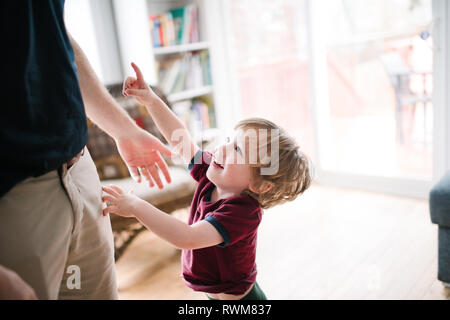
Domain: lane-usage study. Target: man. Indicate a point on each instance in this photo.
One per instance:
(52, 232)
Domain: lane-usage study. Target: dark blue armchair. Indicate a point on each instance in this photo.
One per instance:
(440, 215)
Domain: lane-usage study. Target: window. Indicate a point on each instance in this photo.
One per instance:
(270, 51)
(379, 71)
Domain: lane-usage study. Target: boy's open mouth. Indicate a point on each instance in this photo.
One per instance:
(215, 164)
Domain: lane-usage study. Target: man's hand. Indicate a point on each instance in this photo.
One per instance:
(12, 287)
(141, 152)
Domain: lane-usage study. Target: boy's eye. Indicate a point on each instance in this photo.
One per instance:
(237, 148)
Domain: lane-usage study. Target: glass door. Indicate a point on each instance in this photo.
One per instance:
(379, 63)
(373, 68)
(352, 80)
(268, 48)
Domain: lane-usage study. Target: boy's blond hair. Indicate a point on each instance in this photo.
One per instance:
(293, 176)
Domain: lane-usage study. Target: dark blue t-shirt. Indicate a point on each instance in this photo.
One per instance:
(42, 116)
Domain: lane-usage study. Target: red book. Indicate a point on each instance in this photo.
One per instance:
(161, 35)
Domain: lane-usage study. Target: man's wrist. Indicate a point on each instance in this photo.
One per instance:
(127, 129)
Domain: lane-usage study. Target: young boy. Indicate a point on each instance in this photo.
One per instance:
(261, 167)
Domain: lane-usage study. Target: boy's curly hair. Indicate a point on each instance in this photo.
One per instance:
(294, 173)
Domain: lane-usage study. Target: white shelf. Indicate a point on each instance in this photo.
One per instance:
(189, 94)
(181, 48)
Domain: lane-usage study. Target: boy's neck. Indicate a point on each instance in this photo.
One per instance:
(219, 193)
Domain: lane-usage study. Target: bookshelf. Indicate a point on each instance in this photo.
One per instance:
(189, 47)
(182, 61)
(135, 41)
(171, 42)
(190, 94)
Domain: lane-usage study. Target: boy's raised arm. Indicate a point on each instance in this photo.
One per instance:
(168, 123)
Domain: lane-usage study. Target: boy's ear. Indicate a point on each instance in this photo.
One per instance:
(263, 187)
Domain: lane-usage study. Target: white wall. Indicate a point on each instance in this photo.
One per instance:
(441, 90)
(92, 25)
(134, 37)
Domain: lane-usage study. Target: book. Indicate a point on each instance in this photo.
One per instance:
(170, 76)
(178, 15)
(194, 74)
(183, 110)
(177, 26)
(180, 82)
(194, 114)
(193, 30)
(201, 115)
(185, 72)
(170, 29)
(154, 27)
(167, 29)
(163, 30)
(205, 67)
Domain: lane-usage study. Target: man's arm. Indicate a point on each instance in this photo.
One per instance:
(167, 122)
(139, 149)
(101, 108)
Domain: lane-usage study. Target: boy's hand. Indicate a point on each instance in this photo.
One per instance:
(118, 202)
(138, 88)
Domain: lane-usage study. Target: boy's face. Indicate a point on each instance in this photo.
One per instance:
(229, 169)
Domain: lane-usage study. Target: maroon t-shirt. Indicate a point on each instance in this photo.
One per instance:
(230, 266)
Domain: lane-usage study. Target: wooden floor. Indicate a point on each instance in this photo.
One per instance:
(328, 244)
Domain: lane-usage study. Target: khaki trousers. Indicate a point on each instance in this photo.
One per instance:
(54, 235)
